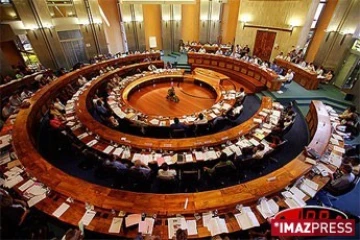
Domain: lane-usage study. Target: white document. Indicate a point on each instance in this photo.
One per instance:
(92, 143)
(210, 155)
(311, 184)
(26, 185)
(257, 120)
(13, 172)
(146, 226)
(5, 158)
(191, 227)
(254, 142)
(335, 159)
(189, 157)
(118, 151)
(247, 220)
(227, 151)
(243, 143)
(268, 208)
(132, 220)
(217, 226)
(308, 190)
(88, 217)
(206, 218)
(60, 210)
(199, 155)
(36, 190)
(154, 121)
(34, 200)
(297, 192)
(334, 141)
(108, 149)
(11, 182)
(294, 202)
(116, 225)
(83, 135)
(136, 156)
(236, 150)
(174, 224)
(339, 149)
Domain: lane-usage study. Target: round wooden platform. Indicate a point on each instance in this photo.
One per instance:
(151, 100)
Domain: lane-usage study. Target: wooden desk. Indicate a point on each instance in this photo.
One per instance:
(164, 205)
(15, 85)
(247, 74)
(209, 48)
(306, 79)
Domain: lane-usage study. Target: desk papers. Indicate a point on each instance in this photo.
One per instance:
(146, 226)
(292, 200)
(199, 155)
(132, 219)
(217, 226)
(88, 217)
(297, 192)
(191, 227)
(115, 225)
(210, 155)
(118, 151)
(309, 187)
(60, 210)
(108, 149)
(11, 182)
(174, 224)
(268, 208)
(247, 219)
(34, 200)
(26, 185)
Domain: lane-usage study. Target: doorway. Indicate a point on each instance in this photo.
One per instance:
(264, 44)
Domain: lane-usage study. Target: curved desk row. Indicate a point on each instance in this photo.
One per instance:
(15, 85)
(308, 80)
(165, 205)
(250, 75)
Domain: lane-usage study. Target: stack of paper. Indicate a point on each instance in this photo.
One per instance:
(335, 159)
(11, 182)
(88, 217)
(189, 157)
(34, 200)
(92, 143)
(118, 151)
(146, 226)
(309, 187)
(83, 135)
(292, 200)
(26, 185)
(115, 225)
(132, 220)
(108, 149)
(5, 158)
(191, 227)
(227, 151)
(174, 224)
(217, 226)
(247, 219)
(268, 208)
(210, 155)
(199, 156)
(60, 210)
(254, 142)
(257, 120)
(243, 143)
(235, 149)
(154, 121)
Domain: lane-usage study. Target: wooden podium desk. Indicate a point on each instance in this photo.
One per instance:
(306, 79)
(250, 75)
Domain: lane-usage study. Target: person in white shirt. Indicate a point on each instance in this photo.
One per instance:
(302, 64)
(165, 173)
(219, 52)
(260, 152)
(238, 48)
(15, 100)
(240, 94)
(81, 80)
(25, 94)
(59, 105)
(310, 67)
(245, 57)
(288, 57)
(280, 56)
(320, 71)
(289, 76)
(202, 50)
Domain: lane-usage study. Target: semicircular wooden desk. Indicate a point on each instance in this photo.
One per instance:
(164, 205)
(250, 75)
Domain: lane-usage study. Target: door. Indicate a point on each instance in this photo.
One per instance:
(264, 44)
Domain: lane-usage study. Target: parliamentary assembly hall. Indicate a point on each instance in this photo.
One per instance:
(179, 119)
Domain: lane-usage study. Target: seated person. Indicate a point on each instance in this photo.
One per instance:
(202, 50)
(54, 111)
(59, 105)
(327, 77)
(7, 110)
(289, 76)
(116, 164)
(101, 110)
(15, 100)
(113, 122)
(219, 52)
(259, 152)
(280, 56)
(12, 209)
(355, 164)
(81, 81)
(165, 173)
(56, 122)
(224, 161)
(178, 125)
(241, 94)
(340, 181)
(200, 119)
(138, 165)
(25, 94)
(347, 114)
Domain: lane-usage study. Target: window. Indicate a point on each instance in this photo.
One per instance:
(61, 8)
(73, 46)
(26, 50)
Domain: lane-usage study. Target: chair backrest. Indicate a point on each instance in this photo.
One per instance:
(189, 176)
(178, 133)
(224, 171)
(351, 187)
